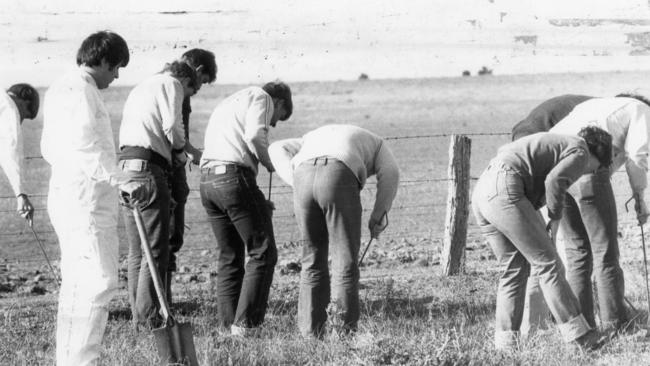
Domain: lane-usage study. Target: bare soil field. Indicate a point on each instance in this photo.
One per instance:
(411, 314)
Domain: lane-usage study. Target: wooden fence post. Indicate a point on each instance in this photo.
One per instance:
(453, 253)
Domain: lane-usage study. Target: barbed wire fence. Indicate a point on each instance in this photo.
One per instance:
(417, 213)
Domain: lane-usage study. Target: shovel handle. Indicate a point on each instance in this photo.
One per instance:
(153, 268)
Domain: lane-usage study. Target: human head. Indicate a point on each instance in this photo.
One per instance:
(281, 94)
(599, 143)
(183, 72)
(103, 53)
(26, 98)
(203, 62)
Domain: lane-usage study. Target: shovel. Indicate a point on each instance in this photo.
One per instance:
(174, 340)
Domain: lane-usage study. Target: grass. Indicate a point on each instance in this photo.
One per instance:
(410, 314)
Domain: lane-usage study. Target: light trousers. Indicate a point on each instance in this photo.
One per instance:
(518, 237)
(84, 216)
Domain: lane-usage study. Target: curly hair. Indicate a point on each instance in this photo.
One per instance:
(599, 143)
(182, 69)
(281, 91)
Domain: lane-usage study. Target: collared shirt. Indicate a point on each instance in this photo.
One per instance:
(237, 132)
(626, 119)
(547, 115)
(11, 143)
(152, 116)
(363, 152)
(77, 138)
(548, 164)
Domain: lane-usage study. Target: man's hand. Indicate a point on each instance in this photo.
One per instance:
(641, 209)
(195, 156)
(24, 207)
(377, 226)
(552, 228)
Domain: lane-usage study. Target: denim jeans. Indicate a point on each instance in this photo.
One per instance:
(328, 210)
(519, 239)
(155, 216)
(589, 226)
(179, 192)
(241, 221)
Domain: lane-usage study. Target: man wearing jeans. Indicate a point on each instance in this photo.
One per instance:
(525, 175)
(151, 128)
(327, 168)
(236, 140)
(590, 222)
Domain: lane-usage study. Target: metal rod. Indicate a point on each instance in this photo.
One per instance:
(645, 267)
(40, 245)
(364, 252)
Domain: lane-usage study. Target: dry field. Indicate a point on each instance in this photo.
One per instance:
(410, 314)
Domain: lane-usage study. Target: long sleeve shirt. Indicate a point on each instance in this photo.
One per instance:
(548, 165)
(626, 119)
(237, 132)
(152, 116)
(77, 139)
(363, 152)
(11, 143)
(547, 115)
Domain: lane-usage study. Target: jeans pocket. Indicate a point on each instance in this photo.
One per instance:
(510, 186)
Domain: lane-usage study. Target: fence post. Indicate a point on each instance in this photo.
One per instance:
(453, 253)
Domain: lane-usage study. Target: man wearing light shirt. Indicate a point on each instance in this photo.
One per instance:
(77, 142)
(151, 128)
(327, 168)
(589, 225)
(236, 141)
(19, 102)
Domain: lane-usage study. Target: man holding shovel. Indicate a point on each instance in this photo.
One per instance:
(236, 141)
(19, 102)
(327, 169)
(77, 142)
(151, 128)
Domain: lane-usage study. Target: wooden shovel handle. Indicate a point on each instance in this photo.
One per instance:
(153, 268)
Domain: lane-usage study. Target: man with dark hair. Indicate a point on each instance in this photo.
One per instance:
(19, 102)
(151, 128)
(547, 114)
(77, 142)
(205, 66)
(525, 175)
(236, 141)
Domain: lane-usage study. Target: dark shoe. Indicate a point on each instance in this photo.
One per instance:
(591, 341)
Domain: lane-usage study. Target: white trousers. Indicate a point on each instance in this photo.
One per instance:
(84, 216)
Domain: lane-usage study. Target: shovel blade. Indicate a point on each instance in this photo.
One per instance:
(175, 344)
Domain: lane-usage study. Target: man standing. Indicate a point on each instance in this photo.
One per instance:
(19, 102)
(82, 203)
(236, 140)
(205, 66)
(329, 169)
(151, 128)
(590, 221)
